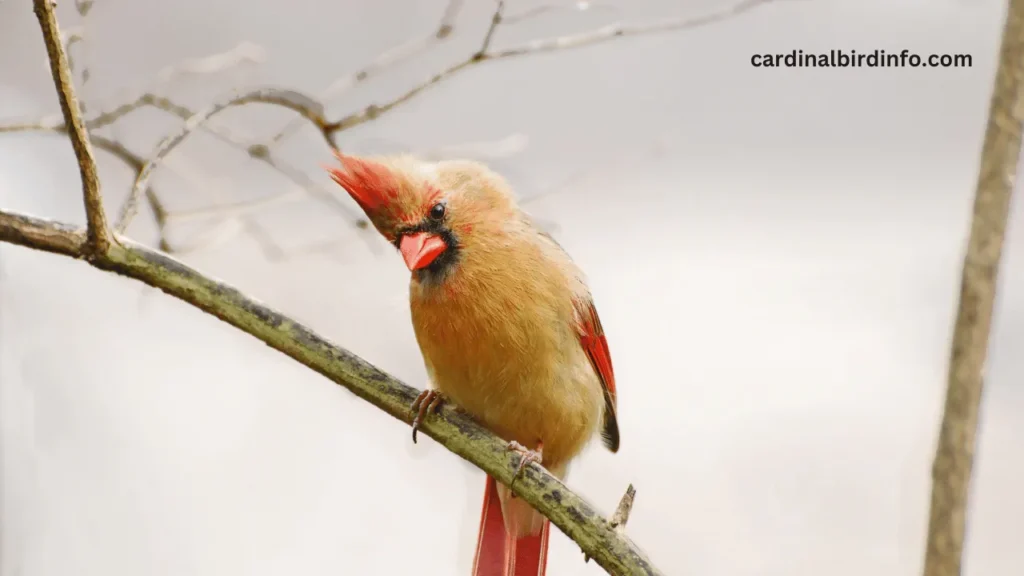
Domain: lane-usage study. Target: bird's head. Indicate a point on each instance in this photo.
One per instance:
(431, 211)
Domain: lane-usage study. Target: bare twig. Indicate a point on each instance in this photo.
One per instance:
(256, 151)
(403, 52)
(619, 29)
(373, 111)
(306, 185)
(312, 110)
(621, 515)
(136, 162)
(148, 99)
(392, 57)
(47, 123)
(453, 429)
(99, 236)
(495, 22)
(1000, 155)
(602, 34)
(307, 107)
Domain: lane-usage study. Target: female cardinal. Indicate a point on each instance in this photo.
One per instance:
(505, 323)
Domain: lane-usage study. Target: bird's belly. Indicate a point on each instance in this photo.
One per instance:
(557, 402)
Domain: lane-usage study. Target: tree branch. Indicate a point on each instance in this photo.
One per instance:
(311, 110)
(388, 58)
(256, 151)
(99, 236)
(495, 22)
(1000, 155)
(484, 54)
(621, 515)
(136, 162)
(620, 29)
(306, 185)
(304, 105)
(453, 429)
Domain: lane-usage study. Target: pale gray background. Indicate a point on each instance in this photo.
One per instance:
(775, 254)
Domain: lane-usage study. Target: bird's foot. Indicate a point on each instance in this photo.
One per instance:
(428, 401)
(527, 456)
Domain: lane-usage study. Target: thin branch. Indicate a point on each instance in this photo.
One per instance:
(373, 111)
(453, 429)
(495, 22)
(1000, 157)
(306, 185)
(295, 101)
(392, 57)
(136, 162)
(104, 119)
(46, 123)
(619, 29)
(312, 110)
(603, 34)
(256, 151)
(403, 52)
(621, 515)
(99, 236)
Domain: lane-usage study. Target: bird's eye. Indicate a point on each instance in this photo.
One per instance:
(437, 212)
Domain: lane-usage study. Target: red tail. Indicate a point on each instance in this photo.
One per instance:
(497, 553)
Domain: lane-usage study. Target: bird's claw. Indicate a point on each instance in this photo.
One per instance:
(536, 456)
(428, 401)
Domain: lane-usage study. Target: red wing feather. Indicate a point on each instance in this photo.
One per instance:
(596, 346)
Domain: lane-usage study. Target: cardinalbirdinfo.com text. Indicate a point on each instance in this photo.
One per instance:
(854, 59)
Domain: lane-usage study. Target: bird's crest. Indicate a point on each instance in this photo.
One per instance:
(371, 184)
(392, 191)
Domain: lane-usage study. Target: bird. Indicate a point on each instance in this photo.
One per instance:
(505, 323)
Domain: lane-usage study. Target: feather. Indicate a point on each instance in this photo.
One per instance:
(595, 344)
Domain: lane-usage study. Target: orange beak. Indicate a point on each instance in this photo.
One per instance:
(420, 249)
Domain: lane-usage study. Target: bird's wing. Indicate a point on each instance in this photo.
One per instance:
(595, 344)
